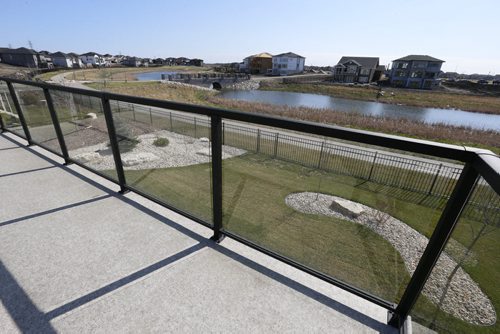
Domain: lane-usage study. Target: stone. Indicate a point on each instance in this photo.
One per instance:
(138, 158)
(347, 208)
(87, 157)
(91, 115)
(205, 152)
(204, 140)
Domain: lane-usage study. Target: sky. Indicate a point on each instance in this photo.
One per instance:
(466, 34)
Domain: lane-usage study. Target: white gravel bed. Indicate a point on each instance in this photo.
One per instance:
(181, 151)
(464, 299)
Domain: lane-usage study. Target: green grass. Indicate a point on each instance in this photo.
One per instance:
(255, 188)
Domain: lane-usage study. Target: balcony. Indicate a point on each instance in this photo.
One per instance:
(131, 214)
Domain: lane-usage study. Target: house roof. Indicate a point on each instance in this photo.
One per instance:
(261, 55)
(419, 58)
(90, 54)
(60, 54)
(289, 55)
(368, 62)
(18, 51)
(72, 54)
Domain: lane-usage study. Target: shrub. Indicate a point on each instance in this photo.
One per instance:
(161, 142)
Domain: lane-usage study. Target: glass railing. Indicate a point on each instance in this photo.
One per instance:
(407, 224)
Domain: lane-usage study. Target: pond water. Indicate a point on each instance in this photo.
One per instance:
(152, 75)
(427, 115)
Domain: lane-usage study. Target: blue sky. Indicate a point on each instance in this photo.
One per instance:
(465, 34)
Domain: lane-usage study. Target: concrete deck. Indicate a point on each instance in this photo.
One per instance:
(76, 257)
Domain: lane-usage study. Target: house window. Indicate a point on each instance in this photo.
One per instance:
(365, 71)
(401, 74)
(284, 60)
(414, 84)
(417, 74)
(419, 64)
(430, 75)
(402, 65)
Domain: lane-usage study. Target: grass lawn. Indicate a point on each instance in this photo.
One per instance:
(255, 188)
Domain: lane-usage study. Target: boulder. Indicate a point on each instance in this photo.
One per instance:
(138, 158)
(347, 208)
(204, 140)
(91, 115)
(205, 152)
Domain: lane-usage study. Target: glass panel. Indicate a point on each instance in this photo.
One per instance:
(166, 154)
(462, 294)
(37, 115)
(360, 214)
(8, 111)
(85, 132)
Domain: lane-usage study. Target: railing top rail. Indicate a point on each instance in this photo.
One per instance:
(460, 153)
(488, 166)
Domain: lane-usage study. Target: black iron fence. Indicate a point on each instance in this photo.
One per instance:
(419, 175)
(479, 177)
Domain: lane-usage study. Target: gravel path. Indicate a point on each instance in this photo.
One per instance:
(464, 298)
(181, 151)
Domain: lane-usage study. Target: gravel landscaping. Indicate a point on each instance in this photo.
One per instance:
(180, 151)
(463, 298)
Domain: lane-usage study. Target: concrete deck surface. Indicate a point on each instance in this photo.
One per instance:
(76, 257)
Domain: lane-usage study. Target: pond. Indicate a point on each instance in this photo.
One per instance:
(152, 75)
(427, 115)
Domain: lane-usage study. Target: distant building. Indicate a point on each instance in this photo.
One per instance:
(132, 61)
(416, 71)
(21, 57)
(92, 59)
(158, 61)
(60, 59)
(288, 63)
(261, 63)
(196, 62)
(357, 69)
(75, 58)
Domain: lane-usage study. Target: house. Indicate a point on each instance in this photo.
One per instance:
(21, 57)
(261, 63)
(158, 61)
(135, 62)
(416, 71)
(60, 59)
(75, 58)
(287, 63)
(195, 62)
(182, 61)
(92, 59)
(170, 61)
(357, 69)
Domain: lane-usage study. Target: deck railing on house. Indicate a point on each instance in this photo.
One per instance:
(240, 186)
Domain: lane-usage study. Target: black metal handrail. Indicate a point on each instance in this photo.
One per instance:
(477, 163)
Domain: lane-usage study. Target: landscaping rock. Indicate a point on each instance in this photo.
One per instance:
(204, 140)
(138, 158)
(91, 115)
(347, 208)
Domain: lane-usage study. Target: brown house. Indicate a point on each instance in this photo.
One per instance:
(261, 63)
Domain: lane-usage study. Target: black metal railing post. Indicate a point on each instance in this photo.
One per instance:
(435, 179)
(2, 126)
(373, 166)
(216, 135)
(57, 126)
(437, 242)
(113, 140)
(13, 95)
